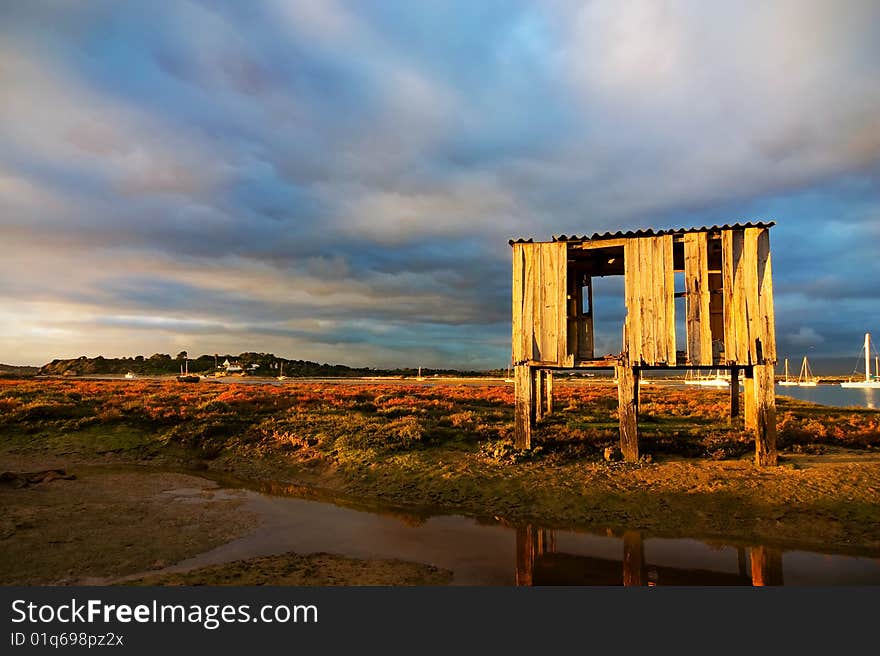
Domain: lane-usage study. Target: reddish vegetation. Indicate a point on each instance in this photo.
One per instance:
(332, 420)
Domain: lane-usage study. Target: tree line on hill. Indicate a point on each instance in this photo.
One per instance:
(268, 364)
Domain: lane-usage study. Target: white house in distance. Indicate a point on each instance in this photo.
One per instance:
(232, 367)
(236, 368)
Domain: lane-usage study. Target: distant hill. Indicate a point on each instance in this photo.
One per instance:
(268, 365)
(11, 370)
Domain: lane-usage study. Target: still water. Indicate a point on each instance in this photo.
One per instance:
(495, 553)
(833, 395)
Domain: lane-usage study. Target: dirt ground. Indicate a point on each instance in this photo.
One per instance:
(311, 569)
(104, 525)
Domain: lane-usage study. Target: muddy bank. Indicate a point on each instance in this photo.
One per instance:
(109, 524)
(102, 526)
(311, 569)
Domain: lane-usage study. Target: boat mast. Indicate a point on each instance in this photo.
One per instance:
(786, 370)
(867, 357)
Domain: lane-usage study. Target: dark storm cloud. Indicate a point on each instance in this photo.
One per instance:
(340, 179)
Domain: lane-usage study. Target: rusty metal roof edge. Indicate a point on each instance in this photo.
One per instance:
(649, 232)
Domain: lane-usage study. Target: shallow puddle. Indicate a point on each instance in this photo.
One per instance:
(493, 553)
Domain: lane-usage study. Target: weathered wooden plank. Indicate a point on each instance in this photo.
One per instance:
(645, 293)
(750, 291)
(736, 332)
(537, 289)
(528, 326)
(765, 295)
(765, 416)
(548, 392)
(657, 292)
(698, 319)
(633, 341)
(627, 385)
(669, 271)
(564, 357)
(603, 243)
(524, 408)
(517, 342)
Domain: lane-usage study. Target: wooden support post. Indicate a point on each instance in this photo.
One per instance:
(634, 570)
(766, 566)
(548, 391)
(765, 416)
(749, 398)
(734, 395)
(524, 411)
(539, 378)
(627, 410)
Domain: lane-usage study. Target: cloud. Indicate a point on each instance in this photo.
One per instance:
(340, 179)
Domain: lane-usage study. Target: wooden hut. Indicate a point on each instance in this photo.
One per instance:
(729, 322)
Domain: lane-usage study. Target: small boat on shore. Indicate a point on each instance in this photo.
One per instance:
(871, 381)
(185, 376)
(281, 375)
(130, 375)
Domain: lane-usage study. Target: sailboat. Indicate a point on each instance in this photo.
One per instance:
(185, 376)
(281, 375)
(507, 378)
(788, 382)
(806, 377)
(419, 377)
(871, 380)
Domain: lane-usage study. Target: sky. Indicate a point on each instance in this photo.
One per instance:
(337, 181)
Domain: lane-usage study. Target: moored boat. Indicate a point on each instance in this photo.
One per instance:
(871, 381)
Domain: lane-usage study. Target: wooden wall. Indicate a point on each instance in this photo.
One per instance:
(540, 321)
(749, 324)
(699, 322)
(650, 300)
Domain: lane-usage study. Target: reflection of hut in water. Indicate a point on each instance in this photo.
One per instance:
(729, 318)
(539, 563)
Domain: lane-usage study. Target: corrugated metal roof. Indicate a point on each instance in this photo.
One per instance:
(649, 232)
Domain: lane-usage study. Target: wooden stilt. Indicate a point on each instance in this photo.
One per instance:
(627, 387)
(539, 378)
(734, 395)
(524, 411)
(548, 391)
(634, 570)
(765, 416)
(749, 399)
(766, 566)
